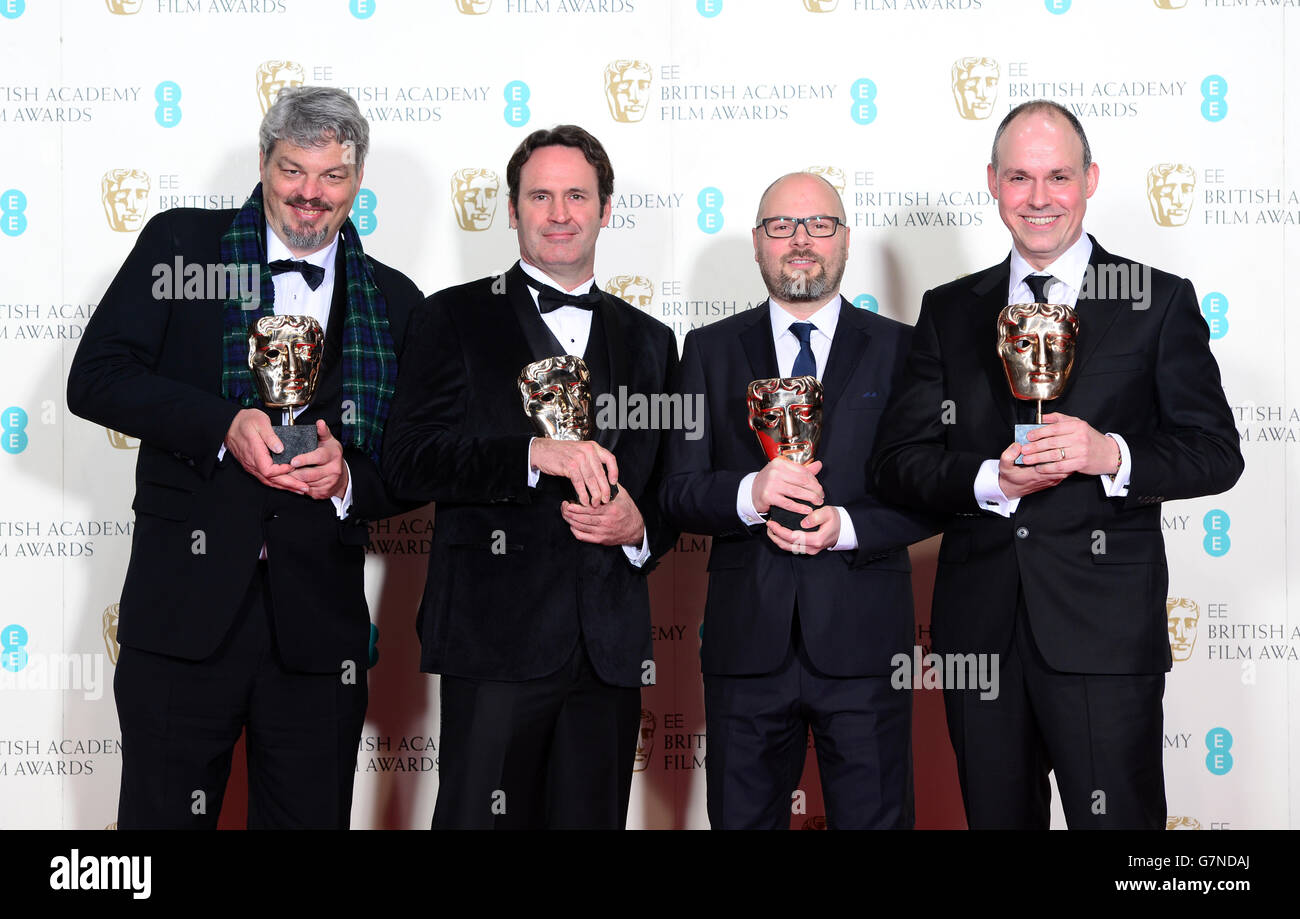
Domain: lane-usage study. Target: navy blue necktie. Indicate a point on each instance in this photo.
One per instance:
(1038, 286)
(805, 363)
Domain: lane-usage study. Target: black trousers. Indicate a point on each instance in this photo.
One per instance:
(757, 742)
(1100, 733)
(551, 753)
(181, 719)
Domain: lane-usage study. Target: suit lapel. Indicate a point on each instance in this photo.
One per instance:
(847, 349)
(990, 298)
(1096, 316)
(759, 347)
(616, 349)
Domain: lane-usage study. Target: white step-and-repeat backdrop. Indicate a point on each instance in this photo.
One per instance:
(112, 110)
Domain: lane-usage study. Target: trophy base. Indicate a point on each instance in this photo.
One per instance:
(296, 439)
(1022, 438)
(790, 519)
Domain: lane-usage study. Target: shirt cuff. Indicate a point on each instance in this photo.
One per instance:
(638, 557)
(745, 501)
(534, 474)
(848, 535)
(1116, 486)
(344, 504)
(988, 494)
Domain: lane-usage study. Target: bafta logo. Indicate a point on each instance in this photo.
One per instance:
(273, 76)
(125, 193)
(1184, 617)
(645, 741)
(636, 289)
(119, 441)
(832, 174)
(1170, 187)
(1171, 5)
(124, 7)
(473, 7)
(975, 86)
(109, 631)
(819, 6)
(474, 196)
(627, 89)
(1182, 823)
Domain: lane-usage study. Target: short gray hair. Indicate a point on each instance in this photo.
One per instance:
(314, 116)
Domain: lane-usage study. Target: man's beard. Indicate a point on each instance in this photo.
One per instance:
(798, 287)
(304, 239)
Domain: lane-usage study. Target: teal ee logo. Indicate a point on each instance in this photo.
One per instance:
(867, 302)
(1214, 90)
(1218, 741)
(168, 96)
(363, 212)
(374, 644)
(12, 219)
(1057, 7)
(1214, 307)
(1216, 542)
(12, 9)
(863, 92)
(362, 9)
(708, 8)
(12, 436)
(13, 650)
(710, 202)
(517, 93)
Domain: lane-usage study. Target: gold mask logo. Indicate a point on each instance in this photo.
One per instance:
(645, 741)
(1184, 619)
(109, 630)
(636, 289)
(833, 174)
(124, 7)
(1171, 5)
(975, 86)
(474, 7)
(1182, 823)
(474, 196)
(273, 76)
(627, 90)
(119, 441)
(125, 195)
(1171, 189)
(820, 6)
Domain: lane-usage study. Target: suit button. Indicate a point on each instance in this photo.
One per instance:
(1022, 532)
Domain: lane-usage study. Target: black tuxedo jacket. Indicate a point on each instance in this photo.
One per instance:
(459, 436)
(855, 607)
(151, 368)
(1092, 568)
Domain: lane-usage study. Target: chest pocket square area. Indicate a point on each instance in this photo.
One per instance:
(868, 400)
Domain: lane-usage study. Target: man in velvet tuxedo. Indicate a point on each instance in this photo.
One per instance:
(243, 607)
(536, 611)
(799, 628)
(1057, 565)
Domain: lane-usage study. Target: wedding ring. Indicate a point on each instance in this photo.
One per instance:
(1062, 449)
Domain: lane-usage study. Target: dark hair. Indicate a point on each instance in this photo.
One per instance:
(1042, 105)
(562, 135)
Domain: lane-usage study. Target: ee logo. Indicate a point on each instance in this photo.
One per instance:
(517, 93)
(1214, 90)
(13, 437)
(708, 8)
(863, 92)
(12, 205)
(363, 212)
(1057, 7)
(12, 9)
(13, 650)
(168, 96)
(1216, 542)
(1214, 307)
(867, 302)
(362, 9)
(710, 202)
(1218, 741)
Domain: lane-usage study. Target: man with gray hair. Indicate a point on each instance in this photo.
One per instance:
(243, 609)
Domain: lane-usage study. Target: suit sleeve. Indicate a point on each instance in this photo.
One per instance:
(659, 527)
(114, 381)
(912, 464)
(1194, 449)
(427, 454)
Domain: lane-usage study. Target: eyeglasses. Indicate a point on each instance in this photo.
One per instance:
(785, 227)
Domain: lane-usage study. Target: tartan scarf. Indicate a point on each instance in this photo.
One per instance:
(368, 362)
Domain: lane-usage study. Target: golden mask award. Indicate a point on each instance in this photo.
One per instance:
(1036, 343)
(786, 414)
(556, 393)
(284, 353)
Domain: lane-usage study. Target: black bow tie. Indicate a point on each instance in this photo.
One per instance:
(550, 299)
(314, 275)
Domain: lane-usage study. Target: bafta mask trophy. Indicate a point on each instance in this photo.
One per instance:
(1036, 344)
(786, 414)
(284, 353)
(556, 393)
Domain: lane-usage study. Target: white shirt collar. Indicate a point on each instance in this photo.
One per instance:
(825, 319)
(1068, 268)
(542, 278)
